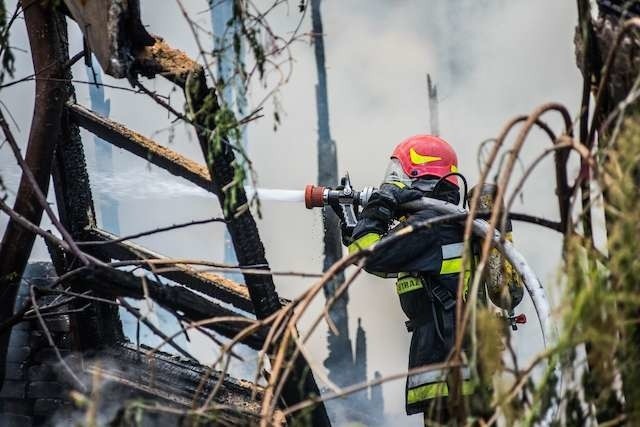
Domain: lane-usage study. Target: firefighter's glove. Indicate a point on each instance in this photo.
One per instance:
(393, 196)
(383, 206)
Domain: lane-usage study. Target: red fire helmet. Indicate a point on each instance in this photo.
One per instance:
(427, 155)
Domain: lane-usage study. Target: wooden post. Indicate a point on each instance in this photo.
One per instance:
(340, 359)
(47, 38)
(434, 124)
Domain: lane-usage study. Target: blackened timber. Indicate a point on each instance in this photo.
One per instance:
(241, 224)
(71, 181)
(174, 380)
(340, 359)
(246, 240)
(177, 164)
(112, 30)
(135, 143)
(207, 283)
(99, 325)
(47, 38)
(434, 119)
(115, 283)
(202, 106)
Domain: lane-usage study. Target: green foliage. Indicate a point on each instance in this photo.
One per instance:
(600, 316)
(223, 135)
(602, 305)
(250, 33)
(623, 217)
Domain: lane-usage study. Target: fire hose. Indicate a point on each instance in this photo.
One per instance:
(516, 259)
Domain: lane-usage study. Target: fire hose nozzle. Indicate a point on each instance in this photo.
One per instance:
(314, 196)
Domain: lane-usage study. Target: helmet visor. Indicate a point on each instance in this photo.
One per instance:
(395, 173)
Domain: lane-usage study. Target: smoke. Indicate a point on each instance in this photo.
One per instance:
(491, 60)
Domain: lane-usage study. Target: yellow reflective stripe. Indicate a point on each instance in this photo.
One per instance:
(364, 242)
(426, 392)
(431, 391)
(454, 168)
(407, 284)
(397, 184)
(450, 266)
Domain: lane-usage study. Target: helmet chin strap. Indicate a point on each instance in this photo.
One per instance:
(447, 193)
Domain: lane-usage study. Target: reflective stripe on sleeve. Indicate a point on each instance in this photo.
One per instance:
(424, 378)
(364, 242)
(436, 376)
(432, 391)
(453, 250)
(450, 266)
(427, 392)
(398, 184)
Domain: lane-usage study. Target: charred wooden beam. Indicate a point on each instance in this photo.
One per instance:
(112, 30)
(100, 324)
(339, 362)
(47, 38)
(207, 283)
(176, 66)
(71, 181)
(122, 137)
(175, 382)
(175, 163)
(115, 283)
(203, 107)
(163, 60)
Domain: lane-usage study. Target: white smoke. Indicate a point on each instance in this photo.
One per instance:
(508, 57)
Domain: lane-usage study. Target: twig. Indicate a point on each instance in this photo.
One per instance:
(122, 301)
(42, 199)
(75, 58)
(59, 313)
(8, 26)
(563, 143)
(150, 232)
(247, 269)
(52, 305)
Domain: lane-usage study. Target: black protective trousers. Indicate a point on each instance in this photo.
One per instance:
(428, 263)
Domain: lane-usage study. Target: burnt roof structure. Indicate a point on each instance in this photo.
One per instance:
(90, 276)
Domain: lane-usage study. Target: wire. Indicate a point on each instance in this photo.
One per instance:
(464, 180)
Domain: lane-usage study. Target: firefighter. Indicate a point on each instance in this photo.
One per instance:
(427, 263)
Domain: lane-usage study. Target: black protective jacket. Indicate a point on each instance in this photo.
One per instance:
(427, 264)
